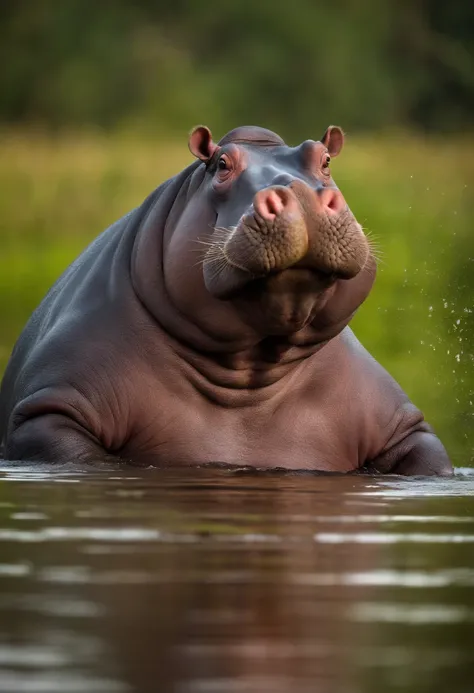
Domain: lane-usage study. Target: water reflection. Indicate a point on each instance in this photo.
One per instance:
(211, 580)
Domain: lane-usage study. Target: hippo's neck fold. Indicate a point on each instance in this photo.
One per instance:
(227, 378)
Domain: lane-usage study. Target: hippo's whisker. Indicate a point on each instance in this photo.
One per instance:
(209, 244)
(203, 249)
(216, 267)
(218, 237)
(217, 263)
(208, 258)
(199, 263)
(222, 234)
(224, 229)
(214, 257)
(219, 229)
(371, 235)
(209, 240)
(211, 251)
(377, 253)
(374, 245)
(215, 252)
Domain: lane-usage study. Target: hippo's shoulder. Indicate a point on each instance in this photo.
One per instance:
(356, 381)
(382, 405)
(94, 365)
(362, 364)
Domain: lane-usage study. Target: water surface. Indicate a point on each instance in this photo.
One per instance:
(218, 581)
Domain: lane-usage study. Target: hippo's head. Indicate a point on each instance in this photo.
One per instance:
(275, 234)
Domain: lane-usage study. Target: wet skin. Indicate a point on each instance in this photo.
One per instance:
(210, 325)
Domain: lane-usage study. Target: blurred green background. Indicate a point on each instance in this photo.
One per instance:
(97, 98)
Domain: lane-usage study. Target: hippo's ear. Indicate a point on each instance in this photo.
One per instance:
(201, 144)
(333, 140)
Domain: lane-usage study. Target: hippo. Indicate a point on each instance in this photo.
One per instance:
(210, 326)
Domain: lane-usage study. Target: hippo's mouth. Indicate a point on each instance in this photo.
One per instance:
(235, 283)
(289, 228)
(285, 302)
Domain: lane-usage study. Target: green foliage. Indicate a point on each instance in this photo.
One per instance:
(294, 66)
(415, 196)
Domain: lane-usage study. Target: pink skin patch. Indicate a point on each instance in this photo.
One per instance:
(272, 202)
(332, 201)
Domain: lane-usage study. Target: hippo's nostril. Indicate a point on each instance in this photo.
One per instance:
(271, 202)
(332, 201)
(274, 204)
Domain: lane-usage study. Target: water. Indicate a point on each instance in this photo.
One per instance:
(213, 581)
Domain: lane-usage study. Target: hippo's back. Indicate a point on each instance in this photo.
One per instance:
(79, 291)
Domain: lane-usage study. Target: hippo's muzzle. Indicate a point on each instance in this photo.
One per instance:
(288, 226)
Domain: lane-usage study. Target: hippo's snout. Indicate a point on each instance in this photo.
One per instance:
(297, 226)
(271, 237)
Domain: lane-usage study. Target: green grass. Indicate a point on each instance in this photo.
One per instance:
(414, 195)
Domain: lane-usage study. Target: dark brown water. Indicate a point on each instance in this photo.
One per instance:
(211, 581)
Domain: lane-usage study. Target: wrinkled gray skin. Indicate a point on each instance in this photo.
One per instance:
(210, 325)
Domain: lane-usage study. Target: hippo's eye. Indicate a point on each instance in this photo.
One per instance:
(326, 161)
(223, 171)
